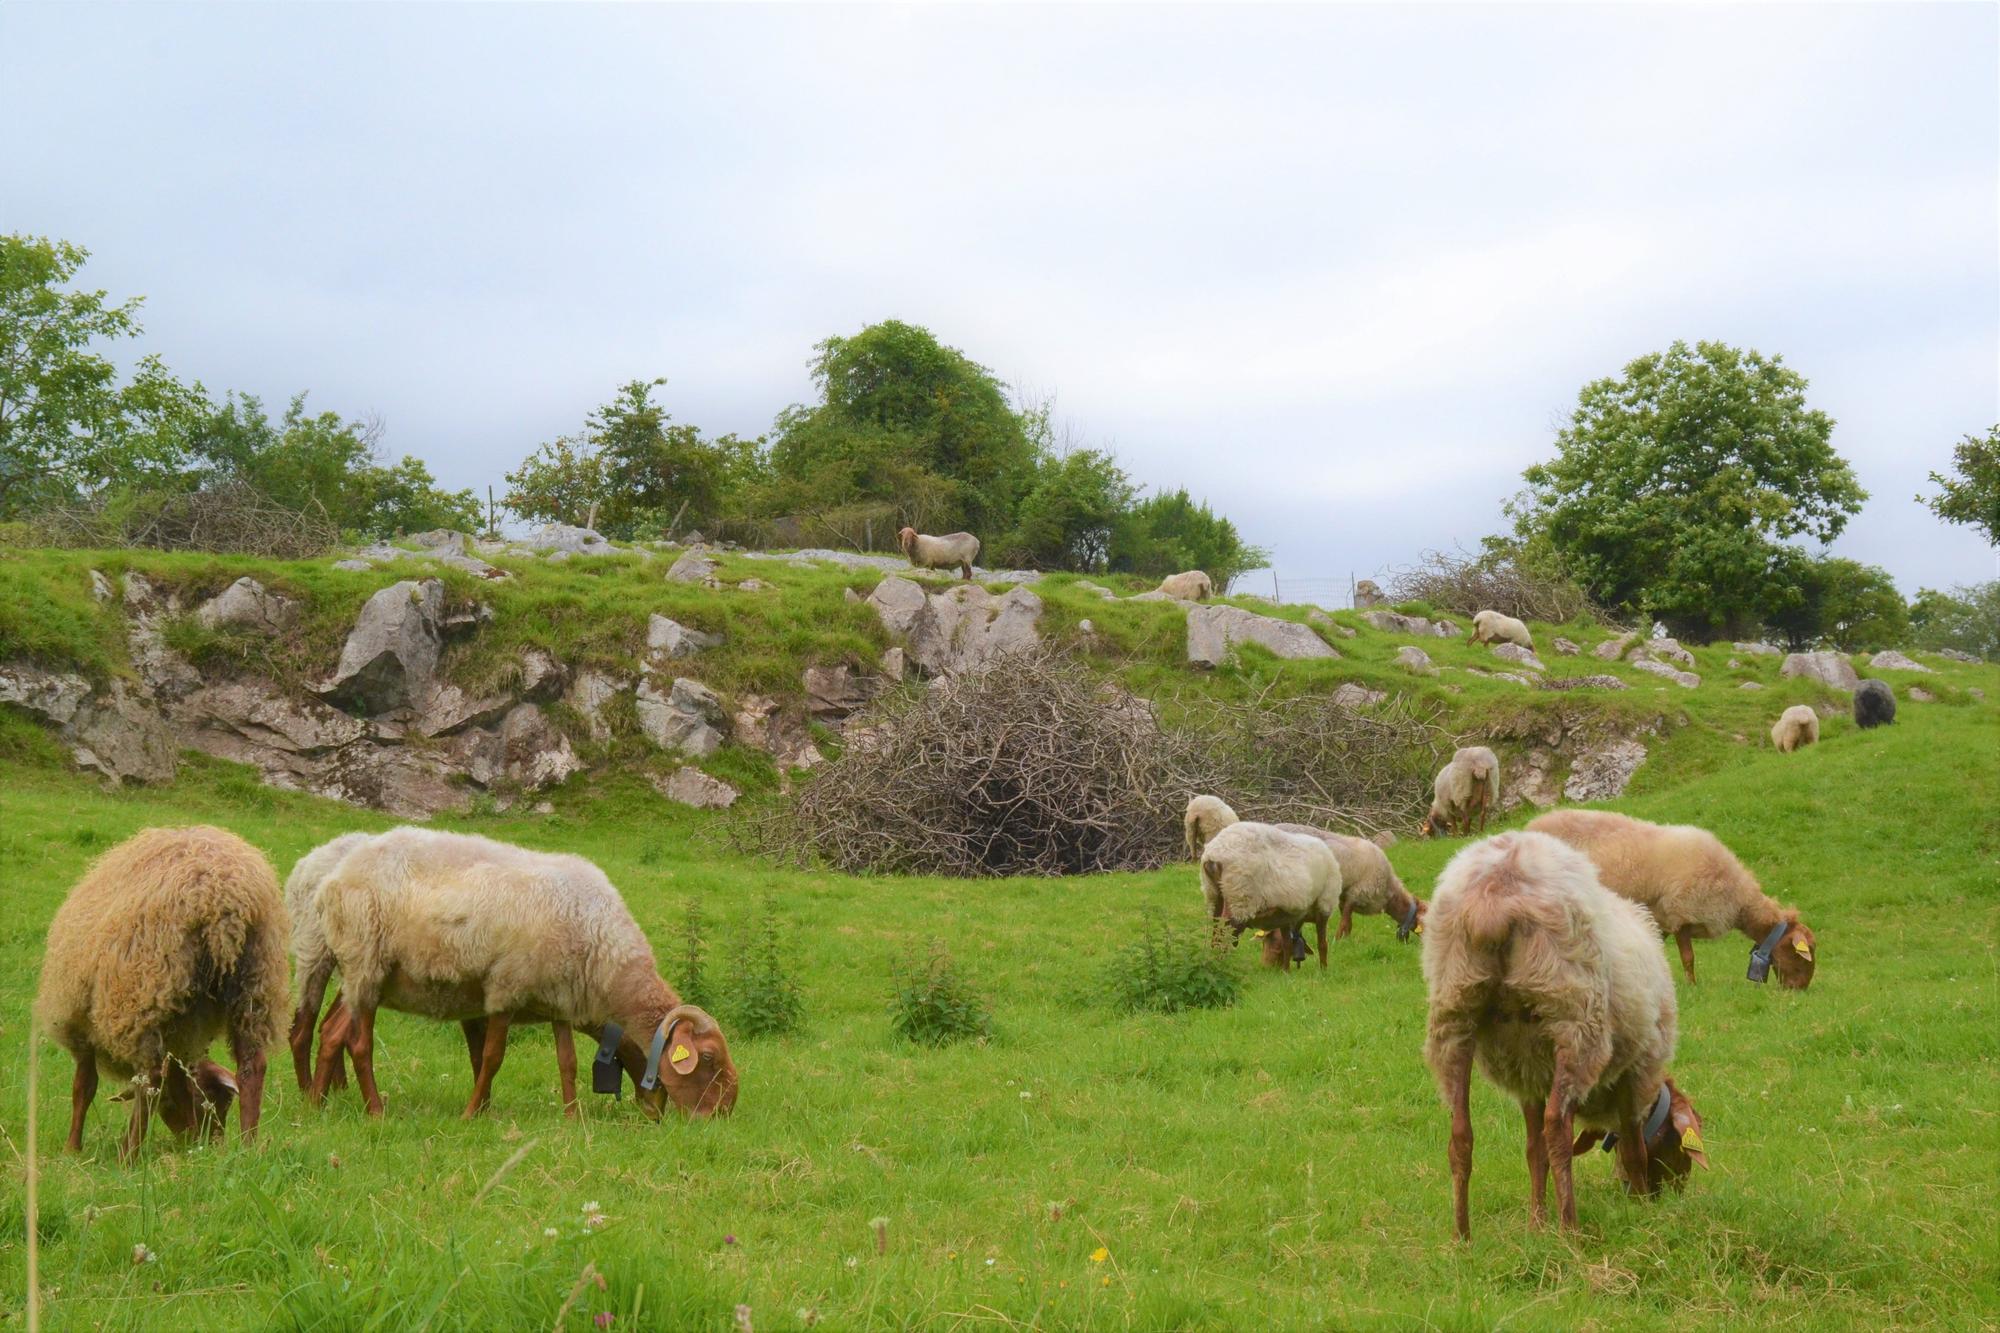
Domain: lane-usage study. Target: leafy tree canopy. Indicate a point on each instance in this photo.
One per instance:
(1972, 496)
(1675, 484)
(1966, 619)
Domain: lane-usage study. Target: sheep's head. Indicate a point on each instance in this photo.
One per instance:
(1678, 1150)
(696, 1073)
(193, 1100)
(1429, 828)
(907, 539)
(1793, 959)
(1277, 948)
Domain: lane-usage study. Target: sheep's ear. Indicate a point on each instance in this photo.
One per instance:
(1688, 1125)
(1587, 1140)
(1803, 949)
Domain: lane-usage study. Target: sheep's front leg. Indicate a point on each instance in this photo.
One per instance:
(475, 1043)
(1458, 1096)
(566, 1067)
(143, 1093)
(82, 1091)
(361, 1046)
(334, 1031)
(250, 1067)
(336, 1017)
(1558, 1119)
(1632, 1156)
(1319, 929)
(1346, 923)
(1538, 1163)
(1684, 937)
(494, 1051)
(312, 992)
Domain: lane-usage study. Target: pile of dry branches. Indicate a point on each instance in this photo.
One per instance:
(1469, 586)
(1035, 766)
(231, 518)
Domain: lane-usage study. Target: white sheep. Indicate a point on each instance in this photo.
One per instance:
(1466, 787)
(1796, 726)
(1557, 989)
(1206, 816)
(173, 938)
(959, 548)
(1693, 885)
(1190, 586)
(1492, 627)
(311, 959)
(463, 928)
(1258, 876)
(1368, 883)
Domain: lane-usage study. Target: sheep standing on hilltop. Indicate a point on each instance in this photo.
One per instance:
(1693, 885)
(1261, 877)
(1492, 627)
(959, 549)
(1465, 788)
(1797, 726)
(1557, 989)
(173, 938)
(1190, 586)
(1874, 704)
(466, 929)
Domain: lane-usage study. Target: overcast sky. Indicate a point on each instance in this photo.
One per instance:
(1338, 270)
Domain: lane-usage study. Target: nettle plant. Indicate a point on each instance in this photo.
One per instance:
(934, 1005)
(1175, 967)
(764, 1000)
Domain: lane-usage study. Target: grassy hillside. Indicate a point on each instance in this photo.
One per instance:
(1280, 1164)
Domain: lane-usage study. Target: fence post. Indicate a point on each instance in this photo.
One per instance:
(1274, 585)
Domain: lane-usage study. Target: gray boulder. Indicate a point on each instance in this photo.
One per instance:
(687, 717)
(1566, 648)
(1394, 622)
(1755, 649)
(589, 694)
(54, 695)
(1603, 771)
(354, 565)
(390, 658)
(690, 786)
(562, 538)
(1351, 695)
(1415, 661)
(780, 732)
(1519, 656)
(238, 719)
(1895, 661)
(958, 629)
(1830, 669)
(248, 604)
(1367, 594)
(834, 694)
(112, 731)
(669, 638)
(1668, 650)
(534, 753)
(1614, 648)
(542, 677)
(1600, 682)
(1687, 680)
(1214, 630)
(163, 671)
(694, 566)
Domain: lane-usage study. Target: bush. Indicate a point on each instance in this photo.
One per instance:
(694, 979)
(1174, 967)
(932, 1005)
(765, 1001)
(1503, 579)
(229, 518)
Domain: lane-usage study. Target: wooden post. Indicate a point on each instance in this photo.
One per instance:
(492, 528)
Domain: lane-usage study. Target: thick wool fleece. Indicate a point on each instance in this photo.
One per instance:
(947, 552)
(1264, 877)
(1682, 874)
(1492, 627)
(1796, 726)
(171, 939)
(1524, 952)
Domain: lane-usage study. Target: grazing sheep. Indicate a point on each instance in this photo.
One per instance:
(1467, 786)
(1874, 704)
(1206, 816)
(1558, 990)
(310, 956)
(1492, 627)
(1796, 726)
(1259, 876)
(465, 929)
(1694, 886)
(1191, 586)
(1368, 883)
(173, 938)
(960, 549)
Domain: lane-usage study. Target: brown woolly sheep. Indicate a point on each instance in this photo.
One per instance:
(960, 549)
(1693, 885)
(173, 938)
(1557, 989)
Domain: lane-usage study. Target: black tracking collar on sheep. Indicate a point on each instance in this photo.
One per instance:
(1760, 957)
(604, 1069)
(1656, 1120)
(1408, 923)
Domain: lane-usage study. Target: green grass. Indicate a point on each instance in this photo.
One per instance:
(1277, 1164)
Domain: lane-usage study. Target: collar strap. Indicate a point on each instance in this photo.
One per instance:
(661, 1036)
(1408, 923)
(1762, 953)
(1656, 1120)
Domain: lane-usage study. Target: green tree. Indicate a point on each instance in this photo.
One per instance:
(1966, 619)
(1973, 496)
(61, 409)
(1675, 484)
(1068, 519)
(904, 419)
(561, 482)
(1167, 533)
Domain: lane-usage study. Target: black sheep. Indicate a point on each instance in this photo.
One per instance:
(1874, 705)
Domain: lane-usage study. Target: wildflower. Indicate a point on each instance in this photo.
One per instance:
(1027, 1096)
(594, 1221)
(142, 1255)
(550, 1232)
(593, 1207)
(1104, 1282)
(1099, 1255)
(729, 1239)
(604, 1319)
(851, 1261)
(991, 1262)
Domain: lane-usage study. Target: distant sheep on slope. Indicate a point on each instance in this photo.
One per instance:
(959, 549)
(173, 938)
(1464, 789)
(1191, 586)
(1493, 627)
(1797, 726)
(1874, 704)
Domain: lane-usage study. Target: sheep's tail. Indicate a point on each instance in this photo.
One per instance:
(1494, 910)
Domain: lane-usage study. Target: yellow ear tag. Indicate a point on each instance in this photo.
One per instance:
(681, 1058)
(1805, 950)
(1691, 1140)
(1420, 928)
(1257, 934)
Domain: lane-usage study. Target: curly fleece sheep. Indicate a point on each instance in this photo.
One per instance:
(173, 938)
(1558, 990)
(1797, 726)
(1259, 876)
(1368, 883)
(925, 552)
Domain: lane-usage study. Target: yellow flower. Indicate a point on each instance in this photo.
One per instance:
(1099, 1255)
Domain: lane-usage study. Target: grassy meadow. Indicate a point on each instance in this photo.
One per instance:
(1279, 1164)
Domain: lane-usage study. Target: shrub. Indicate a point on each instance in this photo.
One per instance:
(1174, 967)
(933, 1005)
(765, 1001)
(1503, 579)
(694, 980)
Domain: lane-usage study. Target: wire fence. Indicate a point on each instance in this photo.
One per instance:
(1332, 594)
